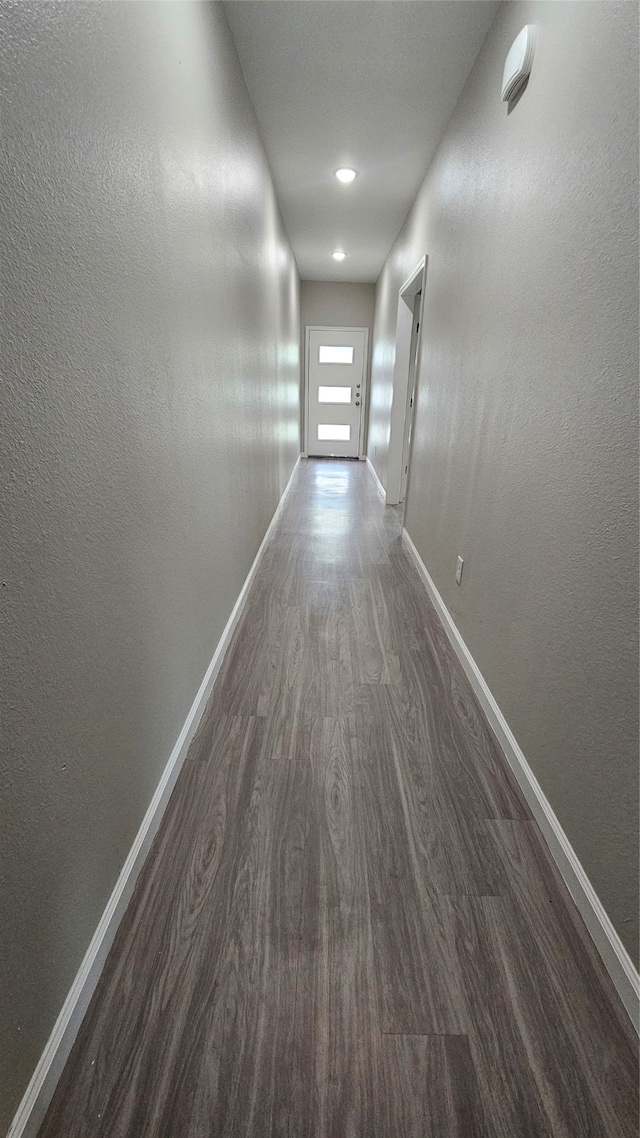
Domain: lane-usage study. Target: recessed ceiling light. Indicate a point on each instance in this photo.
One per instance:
(345, 174)
(338, 254)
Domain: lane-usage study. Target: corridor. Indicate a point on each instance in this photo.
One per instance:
(348, 925)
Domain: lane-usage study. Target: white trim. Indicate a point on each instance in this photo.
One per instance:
(38, 1095)
(379, 487)
(413, 283)
(400, 414)
(614, 955)
(308, 328)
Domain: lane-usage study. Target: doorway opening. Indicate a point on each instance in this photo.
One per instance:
(405, 380)
(411, 387)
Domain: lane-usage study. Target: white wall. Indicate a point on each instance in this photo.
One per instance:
(150, 420)
(525, 444)
(337, 304)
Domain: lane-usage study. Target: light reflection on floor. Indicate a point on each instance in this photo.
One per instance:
(336, 483)
(333, 514)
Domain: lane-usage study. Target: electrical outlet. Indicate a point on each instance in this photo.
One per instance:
(459, 564)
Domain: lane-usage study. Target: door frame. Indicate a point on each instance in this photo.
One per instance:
(402, 413)
(414, 349)
(308, 329)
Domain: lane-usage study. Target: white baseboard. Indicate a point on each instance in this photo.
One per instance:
(40, 1090)
(379, 487)
(615, 956)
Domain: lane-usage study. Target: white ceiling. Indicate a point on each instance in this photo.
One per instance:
(363, 83)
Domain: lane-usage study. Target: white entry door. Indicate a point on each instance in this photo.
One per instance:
(336, 360)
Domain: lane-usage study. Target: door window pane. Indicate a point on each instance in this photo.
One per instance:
(335, 354)
(334, 395)
(334, 432)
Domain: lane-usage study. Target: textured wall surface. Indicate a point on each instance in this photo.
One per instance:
(525, 445)
(150, 419)
(337, 304)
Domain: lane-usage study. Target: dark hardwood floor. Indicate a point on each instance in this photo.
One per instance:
(348, 925)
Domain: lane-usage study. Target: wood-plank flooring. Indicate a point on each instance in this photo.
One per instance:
(348, 925)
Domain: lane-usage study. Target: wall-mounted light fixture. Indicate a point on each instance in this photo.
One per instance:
(517, 67)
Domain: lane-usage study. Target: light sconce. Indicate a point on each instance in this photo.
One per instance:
(518, 63)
